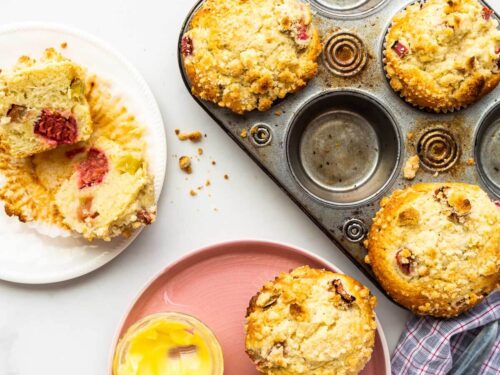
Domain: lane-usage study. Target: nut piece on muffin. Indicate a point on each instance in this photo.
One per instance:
(443, 55)
(43, 105)
(311, 321)
(435, 247)
(244, 55)
(100, 190)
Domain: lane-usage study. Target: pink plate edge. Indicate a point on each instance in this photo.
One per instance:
(233, 243)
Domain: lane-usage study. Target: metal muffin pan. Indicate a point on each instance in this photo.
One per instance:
(339, 145)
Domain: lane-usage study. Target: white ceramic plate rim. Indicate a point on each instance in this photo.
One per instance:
(99, 261)
(263, 243)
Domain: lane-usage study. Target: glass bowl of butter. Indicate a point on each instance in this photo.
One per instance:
(168, 343)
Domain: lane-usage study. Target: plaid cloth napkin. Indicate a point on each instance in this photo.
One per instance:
(431, 346)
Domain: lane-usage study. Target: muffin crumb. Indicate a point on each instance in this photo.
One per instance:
(185, 164)
(244, 133)
(411, 167)
(64, 45)
(194, 136)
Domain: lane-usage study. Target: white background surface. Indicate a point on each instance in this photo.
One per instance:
(68, 328)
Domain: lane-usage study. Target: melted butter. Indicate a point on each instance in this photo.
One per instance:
(165, 348)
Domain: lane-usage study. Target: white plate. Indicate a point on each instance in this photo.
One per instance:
(26, 255)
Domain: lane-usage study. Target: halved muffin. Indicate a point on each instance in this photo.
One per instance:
(43, 105)
(100, 189)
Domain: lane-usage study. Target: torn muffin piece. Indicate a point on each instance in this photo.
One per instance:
(43, 105)
(109, 192)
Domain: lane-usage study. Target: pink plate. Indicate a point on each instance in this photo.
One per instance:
(215, 285)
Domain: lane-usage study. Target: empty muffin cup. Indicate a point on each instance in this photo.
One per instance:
(347, 8)
(487, 150)
(344, 148)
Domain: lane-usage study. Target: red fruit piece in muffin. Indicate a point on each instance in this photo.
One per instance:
(92, 170)
(400, 49)
(487, 12)
(187, 46)
(56, 127)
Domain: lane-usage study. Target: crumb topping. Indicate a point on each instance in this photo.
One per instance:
(311, 321)
(434, 244)
(442, 54)
(246, 54)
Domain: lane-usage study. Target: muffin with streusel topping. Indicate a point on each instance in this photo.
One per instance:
(435, 247)
(311, 321)
(244, 55)
(443, 55)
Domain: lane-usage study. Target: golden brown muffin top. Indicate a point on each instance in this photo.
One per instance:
(435, 247)
(443, 54)
(311, 321)
(245, 54)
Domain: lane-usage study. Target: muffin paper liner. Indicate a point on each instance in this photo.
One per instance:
(21, 190)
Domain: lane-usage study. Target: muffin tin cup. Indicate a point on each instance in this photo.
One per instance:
(344, 147)
(487, 150)
(347, 8)
(361, 108)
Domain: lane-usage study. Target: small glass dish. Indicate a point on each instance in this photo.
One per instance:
(199, 345)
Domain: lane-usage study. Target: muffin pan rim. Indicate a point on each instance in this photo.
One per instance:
(365, 95)
(483, 125)
(337, 13)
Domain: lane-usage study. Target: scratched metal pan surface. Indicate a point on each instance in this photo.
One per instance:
(349, 108)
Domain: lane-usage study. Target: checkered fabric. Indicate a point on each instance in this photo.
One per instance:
(431, 346)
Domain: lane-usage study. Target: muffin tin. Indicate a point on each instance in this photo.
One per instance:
(339, 145)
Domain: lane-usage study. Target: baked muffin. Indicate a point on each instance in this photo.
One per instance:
(443, 55)
(101, 190)
(43, 105)
(435, 248)
(311, 321)
(244, 55)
